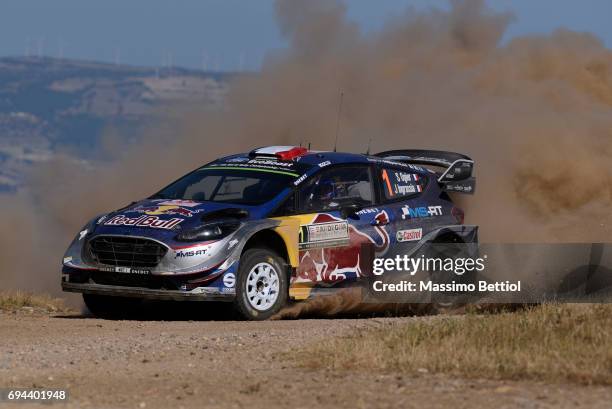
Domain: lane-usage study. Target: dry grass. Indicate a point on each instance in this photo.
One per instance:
(549, 343)
(22, 301)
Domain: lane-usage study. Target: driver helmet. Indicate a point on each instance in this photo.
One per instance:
(326, 189)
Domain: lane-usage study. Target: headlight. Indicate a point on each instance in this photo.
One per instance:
(89, 227)
(209, 231)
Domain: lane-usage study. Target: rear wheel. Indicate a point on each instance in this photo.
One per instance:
(262, 285)
(447, 247)
(109, 307)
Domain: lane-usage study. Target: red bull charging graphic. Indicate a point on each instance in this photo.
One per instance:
(331, 248)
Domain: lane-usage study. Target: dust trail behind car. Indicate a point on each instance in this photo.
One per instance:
(348, 301)
(533, 112)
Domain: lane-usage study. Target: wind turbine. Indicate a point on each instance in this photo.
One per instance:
(242, 61)
(118, 56)
(204, 61)
(60, 49)
(40, 47)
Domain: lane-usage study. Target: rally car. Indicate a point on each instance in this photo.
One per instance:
(265, 227)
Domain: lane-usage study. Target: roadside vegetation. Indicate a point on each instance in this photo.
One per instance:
(14, 301)
(556, 343)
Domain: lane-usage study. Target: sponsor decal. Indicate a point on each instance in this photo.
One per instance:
(409, 235)
(324, 235)
(332, 264)
(458, 187)
(270, 166)
(178, 207)
(237, 160)
(257, 162)
(101, 219)
(300, 179)
(229, 280)
(190, 253)
(323, 164)
(83, 234)
(420, 212)
(367, 211)
(210, 290)
(232, 243)
(143, 221)
(268, 162)
(125, 270)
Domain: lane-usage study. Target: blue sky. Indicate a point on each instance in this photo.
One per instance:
(225, 34)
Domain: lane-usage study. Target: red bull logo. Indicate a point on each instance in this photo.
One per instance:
(173, 207)
(340, 261)
(143, 221)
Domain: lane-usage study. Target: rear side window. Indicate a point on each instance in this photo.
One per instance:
(332, 188)
(397, 183)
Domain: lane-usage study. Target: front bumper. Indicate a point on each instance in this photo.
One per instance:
(198, 294)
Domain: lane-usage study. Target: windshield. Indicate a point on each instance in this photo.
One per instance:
(240, 186)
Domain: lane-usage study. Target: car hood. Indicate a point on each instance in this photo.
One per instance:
(161, 219)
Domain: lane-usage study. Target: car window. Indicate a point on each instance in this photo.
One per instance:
(203, 188)
(248, 186)
(333, 187)
(397, 183)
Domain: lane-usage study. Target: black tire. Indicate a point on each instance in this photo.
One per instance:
(244, 303)
(110, 307)
(451, 247)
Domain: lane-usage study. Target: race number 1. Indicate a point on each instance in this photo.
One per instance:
(385, 177)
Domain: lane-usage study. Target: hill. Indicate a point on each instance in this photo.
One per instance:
(48, 103)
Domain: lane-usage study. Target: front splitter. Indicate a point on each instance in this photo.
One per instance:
(202, 294)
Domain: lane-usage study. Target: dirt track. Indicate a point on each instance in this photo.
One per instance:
(195, 364)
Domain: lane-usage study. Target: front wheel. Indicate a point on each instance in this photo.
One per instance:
(262, 285)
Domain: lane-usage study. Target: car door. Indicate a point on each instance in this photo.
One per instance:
(404, 196)
(336, 247)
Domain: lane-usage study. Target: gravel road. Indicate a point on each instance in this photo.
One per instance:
(231, 364)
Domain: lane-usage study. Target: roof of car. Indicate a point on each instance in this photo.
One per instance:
(316, 158)
(268, 157)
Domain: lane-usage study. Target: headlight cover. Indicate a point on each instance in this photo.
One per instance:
(210, 231)
(89, 227)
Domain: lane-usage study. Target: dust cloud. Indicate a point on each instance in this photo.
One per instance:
(349, 302)
(533, 112)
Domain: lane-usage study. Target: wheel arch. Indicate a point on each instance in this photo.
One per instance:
(466, 235)
(448, 237)
(454, 234)
(273, 240)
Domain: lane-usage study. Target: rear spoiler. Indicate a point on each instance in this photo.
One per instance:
(457, 168)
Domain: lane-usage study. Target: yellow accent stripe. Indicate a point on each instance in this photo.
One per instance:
(300, 293)
(289, 230)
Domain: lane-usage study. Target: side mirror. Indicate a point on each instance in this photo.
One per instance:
(349, 210)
